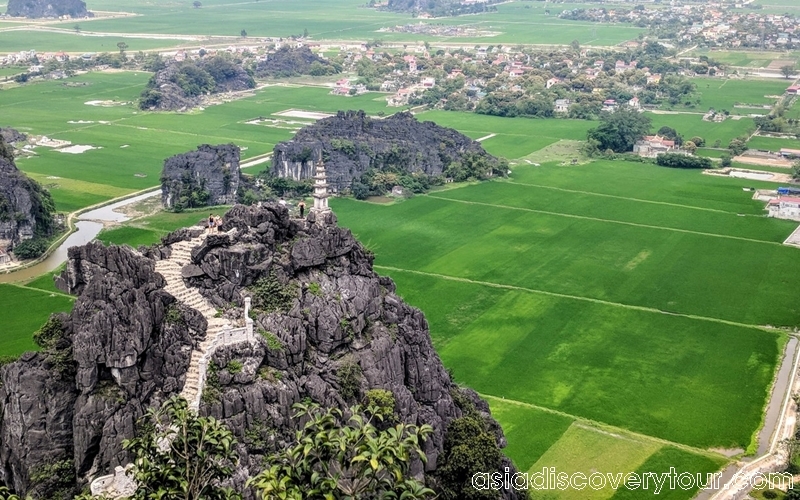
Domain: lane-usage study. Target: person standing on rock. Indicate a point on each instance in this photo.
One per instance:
(210, 223)
(302, 206)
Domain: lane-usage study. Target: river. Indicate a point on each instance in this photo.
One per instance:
(88, 226)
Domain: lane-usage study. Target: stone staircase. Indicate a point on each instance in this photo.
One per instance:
(170, 269)
(219, 333)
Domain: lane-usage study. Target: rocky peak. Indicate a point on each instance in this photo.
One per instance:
(328, 329)
(26, 209)
(208, 176)
(352, 143)
(47, 8)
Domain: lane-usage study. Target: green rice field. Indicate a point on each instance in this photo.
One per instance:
(18, 329)
(638, 333)
(722, 94)
(516, 22)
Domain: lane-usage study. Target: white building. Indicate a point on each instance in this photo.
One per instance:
(785, 207)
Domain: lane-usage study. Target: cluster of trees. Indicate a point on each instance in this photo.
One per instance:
(515, 104)
(375, 182)
(618, 131)
(287, 61)
(439, 8)
(677, 160)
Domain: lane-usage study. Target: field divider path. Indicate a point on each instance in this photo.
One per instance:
(610, 221)
(604, 195)
(578, 297)
(611, 430)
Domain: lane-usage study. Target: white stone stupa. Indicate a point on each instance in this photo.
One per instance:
(320, 190)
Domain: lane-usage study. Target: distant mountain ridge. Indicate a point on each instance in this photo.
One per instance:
(47, 8)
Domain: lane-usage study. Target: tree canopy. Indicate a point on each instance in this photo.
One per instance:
(619, 131)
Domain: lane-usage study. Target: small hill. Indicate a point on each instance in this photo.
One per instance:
(47, 8)
(26, 209)
(287, 62)
(208, 176)
(352, 143)
(180, 86)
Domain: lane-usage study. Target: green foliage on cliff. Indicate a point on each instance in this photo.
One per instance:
(336, 459)
(200, 453)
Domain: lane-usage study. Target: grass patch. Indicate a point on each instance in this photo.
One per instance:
(26, 311)
(683, 461)
(530, 432)
(582, 449)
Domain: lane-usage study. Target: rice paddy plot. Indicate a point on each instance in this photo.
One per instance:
(75, 42)
(513, 23)
(691, 125)
(664, 376)
(16, 335)
(774, 144)
(724, 94)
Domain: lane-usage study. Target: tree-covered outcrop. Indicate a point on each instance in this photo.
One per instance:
(208, 176)
(289, 61)
(440, 8)
(359, 150)
(180, 85)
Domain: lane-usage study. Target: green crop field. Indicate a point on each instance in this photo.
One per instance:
(70, 41)
(516, 23)
(639, 332)
(755, 59)
(16, 335)
(690, 125)
(723, 94)
(773, 143)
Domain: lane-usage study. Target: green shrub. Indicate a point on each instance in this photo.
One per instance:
(270, 295)
(234, 367)
(174, 315)
(380, 402)
(273, 342)
(349, 377)
(314, 288)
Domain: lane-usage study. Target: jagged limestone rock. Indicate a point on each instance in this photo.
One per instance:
(352, 142)
(318, 308)
(208, 176)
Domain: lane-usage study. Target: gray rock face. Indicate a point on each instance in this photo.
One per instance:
(25, 207)
(208, 176)
(326, 309)
(47, 8)
(288, 61)
(11, 135)
(351, 143)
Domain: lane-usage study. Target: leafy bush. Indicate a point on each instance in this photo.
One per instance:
(56, 345)
(349, 377)
(270, 295)
(30, 249)
(234, 367)
(314, 288)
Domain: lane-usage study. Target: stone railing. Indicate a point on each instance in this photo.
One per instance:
(117, 485)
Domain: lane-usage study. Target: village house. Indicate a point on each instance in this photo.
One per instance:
(634, 103)
(652, 146)
(793, 90)
(562, 105)
(785, 207)
(553, 81)
(610, 105)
